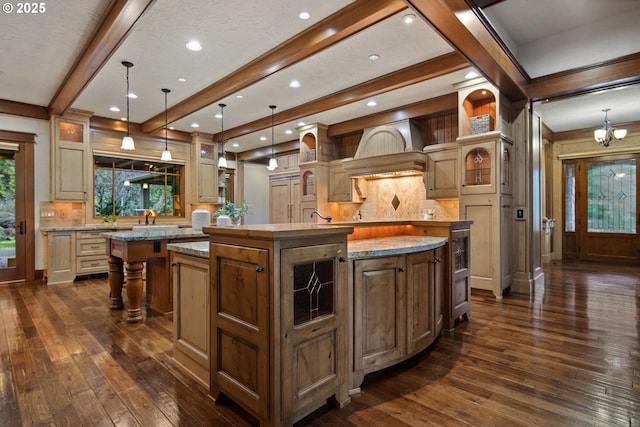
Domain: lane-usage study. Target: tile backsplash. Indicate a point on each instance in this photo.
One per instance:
(62, 214)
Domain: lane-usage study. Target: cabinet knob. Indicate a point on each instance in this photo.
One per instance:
(342, 259)
(437, 261)
(173, 264)
(401, 269)
(259, 269)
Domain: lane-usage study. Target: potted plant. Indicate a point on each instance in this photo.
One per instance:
(234, 212)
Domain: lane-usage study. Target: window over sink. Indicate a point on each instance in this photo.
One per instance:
(129, 187)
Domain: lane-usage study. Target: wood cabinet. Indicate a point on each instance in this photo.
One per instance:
(71, 253)
(343, 188)
(398, 308)
(379, 306)
(70, 161)
(207, 172)
(285, 197)
(279, 319)
(485, 198)
(191, 319)
(442, 176)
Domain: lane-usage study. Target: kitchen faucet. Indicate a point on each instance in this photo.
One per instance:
(149, 213)
(326, 218)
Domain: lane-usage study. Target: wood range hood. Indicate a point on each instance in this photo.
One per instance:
(388, 151)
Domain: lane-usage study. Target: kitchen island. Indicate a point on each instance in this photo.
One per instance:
(293, 321)
(135, 248)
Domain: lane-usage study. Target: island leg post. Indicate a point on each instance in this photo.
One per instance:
(116, 279)
(134, 290)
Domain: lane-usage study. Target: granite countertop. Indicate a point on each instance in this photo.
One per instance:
(357, 249)
(98, 227)
(199, 249)
(179, 233)
(395, 245)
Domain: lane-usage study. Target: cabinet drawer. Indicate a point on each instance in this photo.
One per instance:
(91, 234)
(92, 264)
(91, 246)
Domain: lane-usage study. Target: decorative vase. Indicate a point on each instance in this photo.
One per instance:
(223, 221)
(235, 221)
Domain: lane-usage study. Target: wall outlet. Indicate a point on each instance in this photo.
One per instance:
(520, 213)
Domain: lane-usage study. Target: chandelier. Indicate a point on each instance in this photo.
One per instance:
(605, 135)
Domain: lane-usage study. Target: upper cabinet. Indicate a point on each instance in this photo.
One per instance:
(70, 159)
(442, 176)
(486, 164)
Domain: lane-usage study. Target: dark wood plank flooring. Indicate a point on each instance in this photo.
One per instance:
(567, 356)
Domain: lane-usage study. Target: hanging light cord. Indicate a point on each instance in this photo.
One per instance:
(166, 117)
(273, 107)
(127, 95)
(222, 126)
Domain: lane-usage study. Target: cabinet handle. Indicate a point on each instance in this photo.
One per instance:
(437, 261)
(173, 264)
(342, 259)
(95, 247)
(401, 269)
(259, 269)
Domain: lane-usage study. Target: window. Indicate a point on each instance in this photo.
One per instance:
(126, 187)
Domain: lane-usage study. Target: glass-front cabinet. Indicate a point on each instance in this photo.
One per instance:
(486, 164)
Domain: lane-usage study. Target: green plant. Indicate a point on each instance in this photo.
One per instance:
(232, 211)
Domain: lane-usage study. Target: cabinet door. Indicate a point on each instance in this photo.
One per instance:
(61, 256)
(420, 300)
(478, 163)
(240, 295)
(438, 286)
(339, 185)
(71, 158)
(280, 201)
(313, 300)
(379, 312)
(208, 174)
(442, 174)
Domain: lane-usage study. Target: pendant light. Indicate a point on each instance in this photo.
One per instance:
(222, 160)
(607, 134)
(127, 141)
(166, 154)
(273, 163)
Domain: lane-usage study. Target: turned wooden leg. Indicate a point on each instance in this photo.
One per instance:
(116, 279)
(134, 291)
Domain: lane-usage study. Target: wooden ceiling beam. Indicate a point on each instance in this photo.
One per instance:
(110, 34)
(619, 72)
(346, 22)
(422, 71)
(460, 26)
(24, 110)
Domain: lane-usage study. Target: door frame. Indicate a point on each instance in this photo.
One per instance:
(25, 211)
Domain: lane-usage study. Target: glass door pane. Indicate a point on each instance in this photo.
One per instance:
(7, 213)
(611, 207)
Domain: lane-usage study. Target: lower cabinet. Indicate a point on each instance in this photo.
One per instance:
(191, 314)
(73, 253)
(279, 322)
(398, 308)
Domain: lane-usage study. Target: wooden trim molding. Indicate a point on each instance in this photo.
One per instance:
(13, 136)
(24, 110)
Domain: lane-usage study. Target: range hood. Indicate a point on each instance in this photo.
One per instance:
(388, 151)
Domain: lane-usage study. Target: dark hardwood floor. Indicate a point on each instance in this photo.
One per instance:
(567, 356)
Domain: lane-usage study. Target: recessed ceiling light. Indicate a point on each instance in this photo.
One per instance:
(114, 108)
(374, 57)
(194, 46)
(301, 123)
(235, 145)
(294, 84)
(408, 18)
(171, 128)
(239, 96)
(132, 95)
(195, 125)
(372, 103)
(304, 15)
(182, 79)
(263, 138)
(123, 119)
(288, 131)
(218, 116)
(471, 75)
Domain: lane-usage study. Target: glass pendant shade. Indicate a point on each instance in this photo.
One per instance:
(127, 141)
(222, 162)
(273, 164)
(166, 156)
